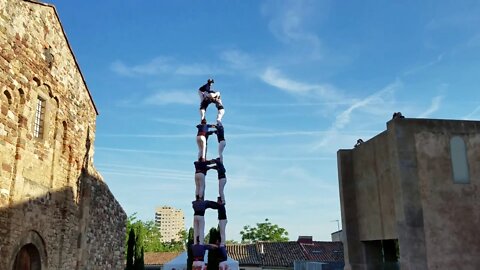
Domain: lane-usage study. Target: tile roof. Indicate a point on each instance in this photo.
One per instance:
(280, 254)
(284, 254)
(323, 251)
(159, 258)
(245, 254)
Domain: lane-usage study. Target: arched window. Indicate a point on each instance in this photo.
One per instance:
(458, 154)
(8, 97)
(28, 258)
(64, 135)
(38, 124)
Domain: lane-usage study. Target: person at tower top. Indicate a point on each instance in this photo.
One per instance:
(208, 95)
(205, 89)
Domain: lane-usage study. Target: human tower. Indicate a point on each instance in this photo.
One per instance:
(202, 165)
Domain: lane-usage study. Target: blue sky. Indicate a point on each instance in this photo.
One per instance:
(299, 80)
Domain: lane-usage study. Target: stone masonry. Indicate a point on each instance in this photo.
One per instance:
(56, 212)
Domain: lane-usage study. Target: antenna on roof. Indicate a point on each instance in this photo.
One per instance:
(338, 223)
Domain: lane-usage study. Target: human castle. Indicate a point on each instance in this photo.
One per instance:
(202, 165)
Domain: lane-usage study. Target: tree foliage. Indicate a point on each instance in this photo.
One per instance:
(189, 249)
(264, 231)
(130, 249)
(148, 237)
(213, 255)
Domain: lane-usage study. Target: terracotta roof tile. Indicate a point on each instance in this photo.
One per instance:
(324, 251)
(245, 254)
(280, 254)
(159, 258)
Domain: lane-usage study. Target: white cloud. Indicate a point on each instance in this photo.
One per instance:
(274, 77)
(162, 65)
(172, 97)
(195, 69)
(382, 100)
(434, 106)
(288, 23)
(237, 59)
(423, 67)
(471, 115)
(156, 66)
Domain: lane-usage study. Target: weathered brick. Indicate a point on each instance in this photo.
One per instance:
(6, 167)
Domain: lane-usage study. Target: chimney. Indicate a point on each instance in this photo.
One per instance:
(305, 240)
(261, 249)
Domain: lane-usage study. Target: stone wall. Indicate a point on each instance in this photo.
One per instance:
(50, 192)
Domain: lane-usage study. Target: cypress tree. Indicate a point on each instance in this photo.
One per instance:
(213, 255)
(139, 264)
(189, 249)
(130, 249)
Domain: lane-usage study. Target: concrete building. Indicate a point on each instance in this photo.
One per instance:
(412, 194)
(56, 212)
(170, 221)
(337, 236)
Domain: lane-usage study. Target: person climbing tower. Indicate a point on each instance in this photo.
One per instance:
(198, 253)
(220, 131)
(201, 168)
(202, 135)
(199, 206)
(222, 177)
(222, 221)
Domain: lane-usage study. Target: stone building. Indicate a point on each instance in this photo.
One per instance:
(56, 212)
(410, 197)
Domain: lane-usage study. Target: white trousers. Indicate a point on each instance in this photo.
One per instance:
(199, 184)
(220, 114)
(202, 114)
(201, 95)
(223, 225)
(221, 146)
(212, 95)
(198, 229)
(221, 187)
(198, 265)
(223, 265)
(202, 146)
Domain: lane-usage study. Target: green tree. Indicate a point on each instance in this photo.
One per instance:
(213, 255)
(264, 231)
(189, 249)
(139, 249)
(150, 236)
(231, 242)
(130, 249)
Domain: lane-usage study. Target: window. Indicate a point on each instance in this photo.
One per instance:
(458, 154)
(39, 118)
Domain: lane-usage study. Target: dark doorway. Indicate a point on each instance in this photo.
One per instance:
(28, 258)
